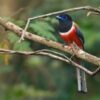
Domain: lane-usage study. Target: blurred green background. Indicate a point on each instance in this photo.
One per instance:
(42, 78)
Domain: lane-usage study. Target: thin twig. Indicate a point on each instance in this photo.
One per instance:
(17, 12)
(87, 8)
(92, 13)
(46, 52)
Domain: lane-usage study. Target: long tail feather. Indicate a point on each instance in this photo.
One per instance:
(81, 80)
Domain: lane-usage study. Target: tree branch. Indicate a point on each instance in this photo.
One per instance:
(91, 10)
(77, 52)
(87, 8)
(52, 54)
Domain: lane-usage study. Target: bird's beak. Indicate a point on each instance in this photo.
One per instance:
(58, 17)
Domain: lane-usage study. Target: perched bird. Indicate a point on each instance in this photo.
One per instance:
(71, 33)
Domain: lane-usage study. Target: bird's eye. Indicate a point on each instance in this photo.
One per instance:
(64, 17)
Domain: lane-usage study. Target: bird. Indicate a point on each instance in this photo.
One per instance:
(70, 32)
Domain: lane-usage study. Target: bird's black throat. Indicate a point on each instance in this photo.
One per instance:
(64, 26)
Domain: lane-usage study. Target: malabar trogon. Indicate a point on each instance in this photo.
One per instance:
(71, 33)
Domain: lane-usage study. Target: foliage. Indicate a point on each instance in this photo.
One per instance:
(44, 29)
(38, 77)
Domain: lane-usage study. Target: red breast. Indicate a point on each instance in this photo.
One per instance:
(71, 36)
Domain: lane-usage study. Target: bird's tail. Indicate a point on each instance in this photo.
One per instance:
(81, 80)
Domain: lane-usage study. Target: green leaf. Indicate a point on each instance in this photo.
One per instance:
(24, 45)
(12, 37)
(43, 29)
(20, 23)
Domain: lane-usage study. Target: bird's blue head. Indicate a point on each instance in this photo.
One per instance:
(65, 22)
(64, 17)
